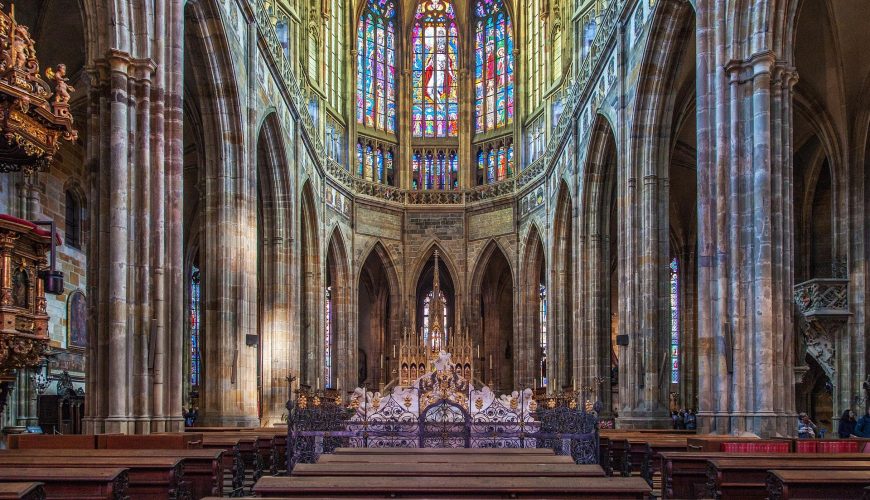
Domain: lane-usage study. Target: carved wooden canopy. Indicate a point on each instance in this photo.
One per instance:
(33, 117)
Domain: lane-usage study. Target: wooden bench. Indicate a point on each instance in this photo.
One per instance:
(787, 484)
(160, 477)
(234, 460)
(713, 443)
(22, 491)
(173, 441)
(81, 483)
(72, 441)
(448, 469)
(431, 487)
(684, 474)
(203, 469)
(747, 477)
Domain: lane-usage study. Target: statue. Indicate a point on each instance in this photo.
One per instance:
(62, 89)
(19, 43)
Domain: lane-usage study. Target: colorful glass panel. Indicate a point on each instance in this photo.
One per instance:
(675, 321)
(426, 313)
(493, 67)
(543, 339)
(435, 101)
(195, 311)
(376, 67)
(379, 165)
(327, 354)
(454, 170)
(335, 54)
(416, 164)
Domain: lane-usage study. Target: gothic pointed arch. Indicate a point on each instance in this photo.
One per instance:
(666, 63)
(533, 336)
(491, 315)
(422, 288)
(274, 267)
(599, 270)
(561, 368)
(207, 63)
(309, 288)
(379, 307)
(335, 342)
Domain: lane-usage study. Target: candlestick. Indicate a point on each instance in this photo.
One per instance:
(490, 364)
(394, 350)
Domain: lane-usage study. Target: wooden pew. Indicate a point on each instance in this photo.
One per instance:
(81, 483)
(684, 474)
(160, 477)
(433, 487)
(400, 460)
(71, 441)
(170, 441)
(22, 491)
(234, 461)
(645, 452)
(605, 458)
(737, 444)
(448, 470)
(746, 478)
(620, 456)
(203, 469)
(787, 484)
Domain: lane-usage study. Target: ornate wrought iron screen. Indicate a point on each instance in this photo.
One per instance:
(411, 418)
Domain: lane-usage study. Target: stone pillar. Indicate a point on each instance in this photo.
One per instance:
(116, 279)
(745, 332)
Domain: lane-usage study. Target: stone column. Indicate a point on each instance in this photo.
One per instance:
(115, 300)
(745, 331)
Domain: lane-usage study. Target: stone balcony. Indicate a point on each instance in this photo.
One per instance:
(823, 299)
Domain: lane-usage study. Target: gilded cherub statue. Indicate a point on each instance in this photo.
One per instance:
(62, 89)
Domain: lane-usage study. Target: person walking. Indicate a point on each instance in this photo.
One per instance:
(847, 424)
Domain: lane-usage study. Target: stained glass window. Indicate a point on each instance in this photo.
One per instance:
(543, 319)
(435, 103)
(426, 302)
(495, 163)
(194, 312)
(435, 170)
(327, 354)
(376, 67)
(493, 67)
(535, 54)
(675, 322)
(375, 162)
(334, 48)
